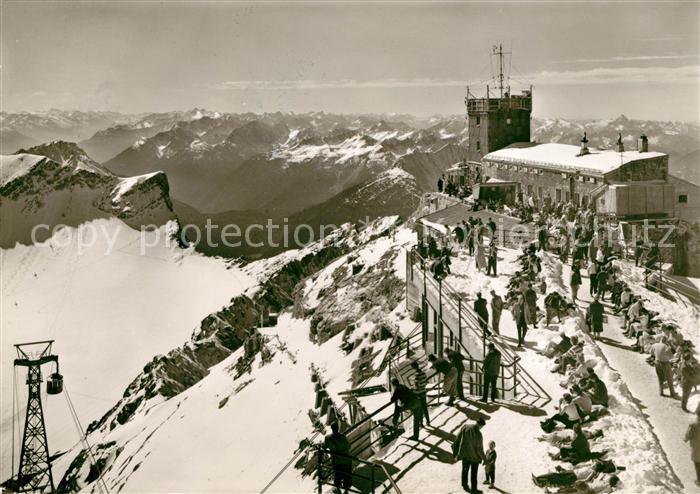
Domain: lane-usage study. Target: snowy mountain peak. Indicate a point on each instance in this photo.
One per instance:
(71, 190)
(68, 154)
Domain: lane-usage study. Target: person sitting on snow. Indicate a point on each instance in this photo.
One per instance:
(633, 311)
(567, 415)
(625, 300)
(644, 341)
(582, 401)
(554, 348)
(596, 388)
(580, 449)
(570, 358)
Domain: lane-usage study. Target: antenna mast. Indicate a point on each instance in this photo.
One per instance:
(498, 50)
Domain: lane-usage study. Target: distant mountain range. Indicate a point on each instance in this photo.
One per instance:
(312, 168)
(681, 141)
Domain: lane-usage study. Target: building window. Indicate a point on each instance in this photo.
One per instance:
(539, 192)
(682, 199)
(478, 120)
(529, 190)
(508, 121)
(557, 194)
(478, 145)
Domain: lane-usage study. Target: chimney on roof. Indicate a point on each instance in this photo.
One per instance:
(644, 144)
(584, 145)
(620, 145)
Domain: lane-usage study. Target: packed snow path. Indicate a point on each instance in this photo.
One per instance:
(665, 415)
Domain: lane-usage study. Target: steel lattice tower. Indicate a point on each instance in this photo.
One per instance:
(35, 467)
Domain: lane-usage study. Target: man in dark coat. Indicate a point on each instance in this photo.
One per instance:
(406, 400)
(440, 183)
(492, 367)
(595, 317)
(483, 312)
(496, 310)
(339, 446)
(457, 361)
(469, 447)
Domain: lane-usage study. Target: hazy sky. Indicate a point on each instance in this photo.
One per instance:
(584, 60)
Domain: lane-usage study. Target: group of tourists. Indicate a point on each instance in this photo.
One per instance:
(570, 428)
(672, 356)
(523, 289)
(571, 233)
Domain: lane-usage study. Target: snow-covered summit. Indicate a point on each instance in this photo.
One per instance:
(38, 190)
(68, 154)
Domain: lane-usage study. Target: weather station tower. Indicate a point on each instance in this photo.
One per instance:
(498, 117)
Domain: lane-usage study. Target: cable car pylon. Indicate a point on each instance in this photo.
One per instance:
(34, 473)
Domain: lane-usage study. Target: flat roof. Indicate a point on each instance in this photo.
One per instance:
(565, 157)
(459, 212)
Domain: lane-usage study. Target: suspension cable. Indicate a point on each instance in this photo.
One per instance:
(100, 482)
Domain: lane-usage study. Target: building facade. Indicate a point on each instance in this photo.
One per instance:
(497, 121)
(561, 172)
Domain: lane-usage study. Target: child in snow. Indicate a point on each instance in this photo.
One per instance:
(490, 464)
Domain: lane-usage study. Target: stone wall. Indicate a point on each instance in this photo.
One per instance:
(640, 171)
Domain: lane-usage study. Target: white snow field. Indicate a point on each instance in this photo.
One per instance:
(668, 421)
(109, 314)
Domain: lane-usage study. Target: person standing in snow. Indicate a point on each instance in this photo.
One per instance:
(469, 447)
(575, 282)
(518, 310)
(483, 312)
(492, 367)
(593, 277)
(662, 363)
(479, 256)
(440, 183)
(692, 436)
(492, 226)
(689, 370)
(339, 446)
(490, 464)
(420, 381)
(471, 233)
(531, 302)
(492, 263)
(595, 317)
(496, 310)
